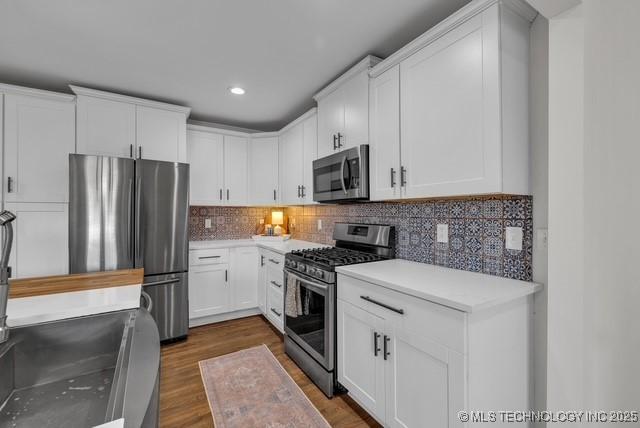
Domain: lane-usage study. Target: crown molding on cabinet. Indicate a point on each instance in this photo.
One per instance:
(78, 90)
(40, 93)
(366, 63)
(298, 120)
(214, 130)
(465, 13)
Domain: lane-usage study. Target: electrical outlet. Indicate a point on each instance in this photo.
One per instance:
(261, 221)
(207, 223)
(443, 233)
(513, 238)
(319, 225)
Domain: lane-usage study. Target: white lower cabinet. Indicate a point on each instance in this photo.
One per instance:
(209, 290)
(40, 240)
(271, 287)
(222, 281)
(413, 363)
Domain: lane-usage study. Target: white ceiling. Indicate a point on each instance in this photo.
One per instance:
(189, 51)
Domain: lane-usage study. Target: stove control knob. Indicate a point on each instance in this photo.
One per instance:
(302, 268)
(320, 273)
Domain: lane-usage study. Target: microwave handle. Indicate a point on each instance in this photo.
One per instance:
(344, 188)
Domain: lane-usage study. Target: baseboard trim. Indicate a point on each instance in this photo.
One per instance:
(196, 322)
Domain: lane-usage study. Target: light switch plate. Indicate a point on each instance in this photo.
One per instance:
(207, 223)
(319, 225)
(443, 233)
(513, 238)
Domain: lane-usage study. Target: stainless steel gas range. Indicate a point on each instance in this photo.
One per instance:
(310, 296)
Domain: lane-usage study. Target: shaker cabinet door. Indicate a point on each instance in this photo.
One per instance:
(263, 171)
(236, 158)
(206, 168)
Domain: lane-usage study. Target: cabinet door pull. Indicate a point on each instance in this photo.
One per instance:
(130, 150)
(139, 152)
(261, 260)
(208, 257)
(9, 185)
(302, 194)
(226, 275)
(276, 284)
(227, 194)
(274, 261)
(403, 176)
(278, 314)
(376, 348)
(340, 139)
(274, 194)
(393, 177)
(386, 352)
(335, 142)
(220, 194)
(384, 305)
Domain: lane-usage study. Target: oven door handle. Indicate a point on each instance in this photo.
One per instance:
(342, 164)
(308, 282)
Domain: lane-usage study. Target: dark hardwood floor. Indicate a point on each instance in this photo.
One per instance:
(183, 402)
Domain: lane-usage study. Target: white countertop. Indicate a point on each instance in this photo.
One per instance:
(281, 247)
(458, 289)
(54, 307)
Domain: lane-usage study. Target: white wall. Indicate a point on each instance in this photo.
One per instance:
(565, 349)
(539, 137)
(594, 205)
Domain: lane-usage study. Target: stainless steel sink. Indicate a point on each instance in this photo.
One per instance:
(81, 372)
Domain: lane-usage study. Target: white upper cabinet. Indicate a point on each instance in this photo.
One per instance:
(236, 154)
(106, 127)
(118, 125)
(343, 110)
(384, 149)
(161, 134)
(463, 91)
(39, 135)
(206, 160)
(298, 145)
(291, 165)
(263, 170)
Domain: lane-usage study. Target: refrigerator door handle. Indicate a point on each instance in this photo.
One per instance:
(138, 260)
(164, 282)
(148, 301)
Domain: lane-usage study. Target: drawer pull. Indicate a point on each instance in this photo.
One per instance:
(278, 314)
(209, 257)
(276, 284)
(386, 346)
(384, 305)
(274, 261)
(376, 349)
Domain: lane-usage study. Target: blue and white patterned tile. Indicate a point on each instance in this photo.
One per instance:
(427, 225)
(456, 244)
(458, 261)
(474, 263)
(493, 228)
(390, 210)
(457, 227)
(473, 209)
(492, 265)
(473, 245)
(515, 209)
(441, 210)
(515, 268)
(474, 227)
(426, 209)
(492, 208)
(457, 209)
(493, 247)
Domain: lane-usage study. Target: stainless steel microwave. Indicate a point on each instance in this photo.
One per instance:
(342, 176)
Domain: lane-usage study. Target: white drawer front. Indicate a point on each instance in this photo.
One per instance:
(212, 256)
(275, 307)
(273, 259)
(436, 322)
(275, 280)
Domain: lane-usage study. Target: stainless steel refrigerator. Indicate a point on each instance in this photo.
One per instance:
(133, 213)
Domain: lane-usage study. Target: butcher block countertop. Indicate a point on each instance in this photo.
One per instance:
(52, 298)
(40, 286)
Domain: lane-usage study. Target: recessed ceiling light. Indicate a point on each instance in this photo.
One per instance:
(236, 90)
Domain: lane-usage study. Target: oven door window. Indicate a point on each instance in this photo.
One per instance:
(310, 323)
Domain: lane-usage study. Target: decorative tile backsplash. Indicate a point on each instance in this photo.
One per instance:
(476, 229)
(226, 222)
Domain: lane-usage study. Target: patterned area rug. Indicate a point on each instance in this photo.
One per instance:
(250, 388)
